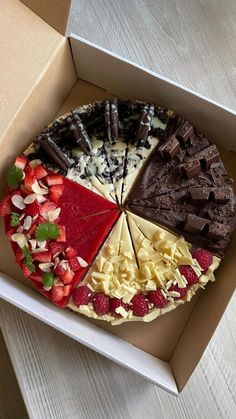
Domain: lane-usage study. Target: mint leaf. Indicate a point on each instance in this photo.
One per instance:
(14, 176)
(47, 231)
(28, 259)
(14, 219)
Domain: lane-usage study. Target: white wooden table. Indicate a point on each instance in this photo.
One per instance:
(192, 42)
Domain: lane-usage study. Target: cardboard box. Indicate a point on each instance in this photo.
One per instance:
(44, 78)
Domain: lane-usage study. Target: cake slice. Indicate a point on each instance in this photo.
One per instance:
(56, 227)
(170, 269)
(111, 281)
(186, 188)
(74, 145)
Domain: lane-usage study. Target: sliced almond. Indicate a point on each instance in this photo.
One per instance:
(27, 222)
(45, 267)
(54, 214)
(40, 198)
(20, 239)
(18, 201)
(33, 244)
(29, 199)
(82, 262)
(35, 163)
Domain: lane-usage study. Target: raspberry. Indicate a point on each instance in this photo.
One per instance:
(81, 295)
(157, 298)
(189, 274)
(181, 291)
(115, 303)
(203, 257)
(139, 305)
(101, 303)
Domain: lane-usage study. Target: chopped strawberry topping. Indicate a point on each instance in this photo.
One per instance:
(32, 209)
(5, 206)
(57, 247)
(62, 237)
(67, 277)
(54, 180)
(71, 252)
(74, 263)
(43, 257)
(57, 293)
(21, 162)
(39, 172)
(55, 193)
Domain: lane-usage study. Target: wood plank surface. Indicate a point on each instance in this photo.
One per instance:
(193, 43)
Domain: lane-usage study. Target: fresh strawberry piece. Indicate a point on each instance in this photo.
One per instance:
(81, 296)
(42, 256)
(74, 263)
(24, 191)
(57, 293)
(32, 229)
(21, 162)
(203, 257)
(32, 209)
(70, 252)
(36, 277)
(29, 180)
(5, 206)
(40, 172)
(46, 207)
(55, 192)
(101, 303)
(54, 180)
(19, 255)
(157, 299)
(67, 290)
(139, 305)
(62, 237)
(10, 232)
(59, 270)
(116, 303)
(57, 247)
(182, 291)
(67, 277)
(189, 274)
(25, 270)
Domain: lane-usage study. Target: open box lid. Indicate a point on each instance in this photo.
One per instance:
(30, 50)
(54, 12)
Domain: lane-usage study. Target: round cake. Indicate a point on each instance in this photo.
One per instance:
(119, 210)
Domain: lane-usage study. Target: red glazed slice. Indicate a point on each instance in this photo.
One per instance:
(78, 201)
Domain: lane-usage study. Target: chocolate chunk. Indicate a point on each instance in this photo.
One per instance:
(222, 194)
(218, 231)
(145, 123)
(54, 152)
(207, 156)
(79, 132)
(184, 132)
(191, 169)
(199, 194)
(170, 148)
(111, 119)
(195, 224)
(202, 194)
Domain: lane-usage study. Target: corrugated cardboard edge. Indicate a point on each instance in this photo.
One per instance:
(89, 335)
(54, 12)
(204, 320)
(41, 104)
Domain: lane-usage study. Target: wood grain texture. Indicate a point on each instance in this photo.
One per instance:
(193, 43)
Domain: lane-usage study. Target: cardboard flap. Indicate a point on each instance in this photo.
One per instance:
(29, 46)
(54, 12)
